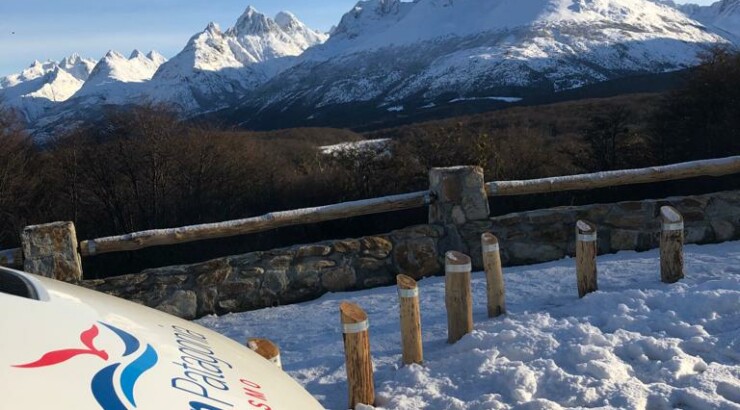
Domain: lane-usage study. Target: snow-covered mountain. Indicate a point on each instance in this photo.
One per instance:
(39, 86)
(36, 91)
(217, 68)
(722, 17)
(214, 69)
(390, 52)
(393, 56)
(265, 39)
(114, 79)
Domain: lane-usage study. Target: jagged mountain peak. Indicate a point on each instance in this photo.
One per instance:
(114, 55)
(77, 66)
(209, 50)
(215, 66)
(137, 54)
(212, 28)
(370, 13)
(72, 59)
(155, 56)
(43, 84)
(252, 22)
(73, 64)
(255, 38)
(380, 7)
(107, 80)
(287, 20)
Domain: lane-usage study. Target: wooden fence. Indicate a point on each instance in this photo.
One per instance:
(274, 220)
(173, 236)
(684, 170)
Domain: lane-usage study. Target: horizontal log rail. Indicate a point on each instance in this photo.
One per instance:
(172, 236)
(712, 167)
(12, 258)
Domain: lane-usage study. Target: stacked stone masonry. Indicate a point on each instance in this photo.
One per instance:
(305, 272)
(51, 250)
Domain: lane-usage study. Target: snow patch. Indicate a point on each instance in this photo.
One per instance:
(636, 343)
(504, 99)
(376, 146)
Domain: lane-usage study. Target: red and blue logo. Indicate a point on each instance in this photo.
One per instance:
(104, 382)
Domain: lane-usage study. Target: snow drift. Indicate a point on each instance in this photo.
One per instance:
(636, 343)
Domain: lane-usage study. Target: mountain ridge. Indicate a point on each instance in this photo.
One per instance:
(36, 89)
(216, 65)
(399, 56)
(505, 50)
(722, 16)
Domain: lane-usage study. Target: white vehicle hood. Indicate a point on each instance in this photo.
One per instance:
(79, 349)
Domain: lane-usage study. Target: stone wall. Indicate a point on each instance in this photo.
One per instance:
(281, 276)
(299, 273)
(546, 235)
(51, 250)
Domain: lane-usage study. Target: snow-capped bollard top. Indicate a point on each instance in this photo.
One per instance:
(489, 243)
(456, 262)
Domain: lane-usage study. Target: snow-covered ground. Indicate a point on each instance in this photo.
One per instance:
(504, 99)
(635, 344)
(380, 146)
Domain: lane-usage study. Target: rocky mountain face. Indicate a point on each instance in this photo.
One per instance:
(214, 71)
(114, 79)
(406, 56)
(37, 88)
(722, 17)
(216, 68)
(387, 57)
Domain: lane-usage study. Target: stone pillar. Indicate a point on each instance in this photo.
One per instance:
(51, 250)
(461, 206)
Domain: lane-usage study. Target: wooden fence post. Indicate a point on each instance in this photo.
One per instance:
(671, 245)
(51, 250)
(408, 294)
(267, 349)
(357, 355)
(458, 296)
(494, 275)
(586, 250)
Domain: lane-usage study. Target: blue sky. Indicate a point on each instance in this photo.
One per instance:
(53, 29)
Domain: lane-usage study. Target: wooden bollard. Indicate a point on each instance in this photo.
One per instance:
(357, 355)
(671, 245)
(266, 349)
(458, 296)
(494, 275)
(586, 249)
(408, 295)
